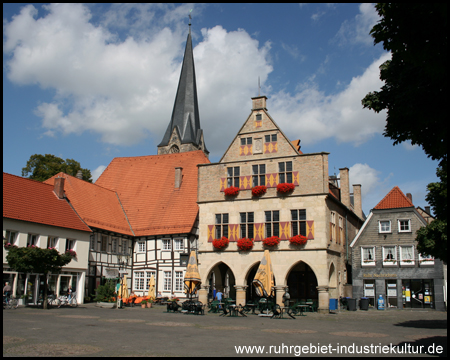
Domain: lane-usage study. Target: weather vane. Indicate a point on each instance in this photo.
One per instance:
(190, 18)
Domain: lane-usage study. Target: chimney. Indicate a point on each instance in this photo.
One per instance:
(428, 210)
(345, 187)
(409, 196)
(259, 103)
(79, 175)
(357, 204)
(58, 187)
(178, 177)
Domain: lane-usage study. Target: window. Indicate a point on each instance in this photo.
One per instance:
(233, 176)
(11, 237)
(389, 255)
(384, 226)
(368, 255)
(341, 230)
(404, 225)
(272, 223)
(285, 172)
(166, 244)
(426, 259)
(407, 255)
(139, 281)
(141, 246)
(247, 220)
(32, 240)
(246, 141)
(52, 242)
(270, 138)
(333, 226)
(167, 281)
(258, 117)
(259, 175)
(179, 281)
(298, 222)
(70, 244)
(148, 276)
(114, 245)
(221, 225)
(178, 244)
(125, 249)
(104, 243)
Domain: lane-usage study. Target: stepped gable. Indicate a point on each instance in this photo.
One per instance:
(34, 201)
(97, 206)
(148, 193)
(393, 200)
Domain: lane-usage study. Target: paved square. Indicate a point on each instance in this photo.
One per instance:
(91, 331)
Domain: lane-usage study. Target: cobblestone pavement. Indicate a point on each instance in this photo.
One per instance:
(91, 331)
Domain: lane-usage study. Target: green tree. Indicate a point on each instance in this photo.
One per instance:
(42, 167)
(415, 94)
(37, 260)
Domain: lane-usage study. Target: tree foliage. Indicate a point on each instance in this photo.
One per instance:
(415, 79)
(42, 167)
(36, 260)
(415, 94)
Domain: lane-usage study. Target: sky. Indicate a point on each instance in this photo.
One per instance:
(92, 82)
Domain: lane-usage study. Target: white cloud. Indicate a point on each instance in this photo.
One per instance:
(97, 172)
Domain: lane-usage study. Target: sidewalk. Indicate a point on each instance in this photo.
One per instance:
(91, 331)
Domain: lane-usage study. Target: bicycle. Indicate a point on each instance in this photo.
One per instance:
(64, 300)
(10, 302)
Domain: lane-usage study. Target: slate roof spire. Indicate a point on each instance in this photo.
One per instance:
(184, 132)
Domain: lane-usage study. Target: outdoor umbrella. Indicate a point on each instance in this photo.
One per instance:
(263, 281)
(151, 287)
(124, 288)
(192, 279)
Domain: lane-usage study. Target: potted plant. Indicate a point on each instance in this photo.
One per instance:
(259, 190)
(105, 294)
(231, 191)
(220, 244)
(298, 240)
(285, 188)
(150, 302)
(144, 304)
(245, 244)
(271, 241)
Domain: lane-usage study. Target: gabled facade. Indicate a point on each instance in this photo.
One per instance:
(261, 154)
(37, 214)
(385, 260)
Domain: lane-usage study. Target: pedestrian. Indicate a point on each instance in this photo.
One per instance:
(286, 297)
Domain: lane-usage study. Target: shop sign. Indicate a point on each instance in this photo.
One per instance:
(379, 275)
(110, 273)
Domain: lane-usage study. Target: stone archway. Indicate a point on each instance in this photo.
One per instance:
(221, 278)
(302, 282)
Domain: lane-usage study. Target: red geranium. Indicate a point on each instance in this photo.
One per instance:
(231, 191)
(285, 187)
(259, 190)
(298, 240)
(271, 241)
(220, 243)
(245, 244)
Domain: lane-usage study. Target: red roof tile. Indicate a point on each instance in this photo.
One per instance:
(145, 186)
(394, 199)
(97, 206)
(33, 201)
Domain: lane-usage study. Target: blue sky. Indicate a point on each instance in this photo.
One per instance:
(94, 82)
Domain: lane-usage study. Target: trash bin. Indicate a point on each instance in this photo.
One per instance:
(351, 304)
(364, 304)
(333, 304)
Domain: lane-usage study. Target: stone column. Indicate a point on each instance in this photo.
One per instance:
(279, 291)
(203, 294)
(324, 300)
(241, 294)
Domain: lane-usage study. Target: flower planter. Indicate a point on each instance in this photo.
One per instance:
(220, 244)
(285, 188)
(149, 305)
(259, 190)
(231, 191)
(298, 240)
(271, 241)
(245, 244)
(106, 305)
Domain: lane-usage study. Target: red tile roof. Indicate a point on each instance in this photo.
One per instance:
(394, 199)
(145, 186)
(33, 201)
(97, 206)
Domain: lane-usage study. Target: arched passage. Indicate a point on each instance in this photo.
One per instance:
(302, 282)
(250, 291)
(221, 278)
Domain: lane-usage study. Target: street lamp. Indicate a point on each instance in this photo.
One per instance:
(122, 261)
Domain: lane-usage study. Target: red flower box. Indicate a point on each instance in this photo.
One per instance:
(259, 190)
(220, 243)
(298, 240)
(285, 188)
(245, 244)
(271, 241)
(231, 191)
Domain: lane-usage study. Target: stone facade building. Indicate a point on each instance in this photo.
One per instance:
(385, 260)
(318, 208)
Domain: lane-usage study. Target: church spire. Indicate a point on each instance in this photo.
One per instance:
(184, 132)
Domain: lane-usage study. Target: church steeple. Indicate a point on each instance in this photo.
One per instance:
(184, 132)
